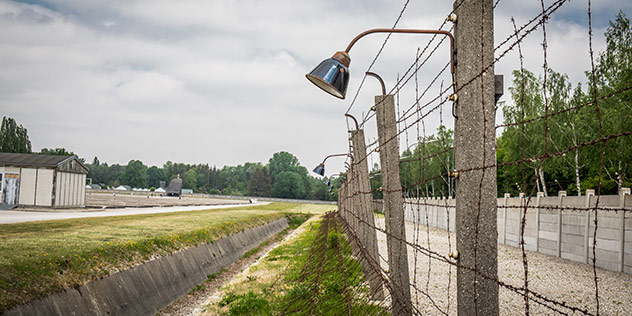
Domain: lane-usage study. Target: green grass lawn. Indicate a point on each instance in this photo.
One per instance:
(40, 258)
(313, 273)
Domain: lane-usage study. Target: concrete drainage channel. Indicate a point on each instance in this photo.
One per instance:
(145, 289)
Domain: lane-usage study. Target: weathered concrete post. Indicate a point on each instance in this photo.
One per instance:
(505, 203)
(365, 210)
(353, 199)
(587, 220)
(561, 195)
(622, 194)
(393, 205)
(475, 154)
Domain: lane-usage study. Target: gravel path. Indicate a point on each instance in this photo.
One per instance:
(555, 278)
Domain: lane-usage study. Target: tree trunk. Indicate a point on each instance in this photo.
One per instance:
(543, 182)
(537, 180)
(579, 186)
(619, 178)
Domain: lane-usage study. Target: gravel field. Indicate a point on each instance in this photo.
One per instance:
(555, 278)
(99, 200)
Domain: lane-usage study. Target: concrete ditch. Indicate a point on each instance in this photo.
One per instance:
(145, 289)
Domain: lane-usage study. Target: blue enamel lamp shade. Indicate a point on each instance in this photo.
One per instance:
(332, 75)
(320, 169)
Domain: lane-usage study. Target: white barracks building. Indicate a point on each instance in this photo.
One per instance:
(42, 180)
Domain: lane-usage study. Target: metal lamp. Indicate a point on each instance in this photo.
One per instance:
(332, 75)
(320, 169)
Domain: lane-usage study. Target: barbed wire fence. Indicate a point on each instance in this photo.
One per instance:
(447, 244)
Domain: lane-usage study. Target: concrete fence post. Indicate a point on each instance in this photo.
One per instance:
(523, 203)
(622, 194)
(365, 210)
(561, 195)
(538, 203)
(475, 158)
(341, 191)
(506, 204)
(589, 193)
(350, 212)
(393, 205)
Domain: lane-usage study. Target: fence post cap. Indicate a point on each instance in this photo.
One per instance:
(625, 191)
(590, 192)
(561, 193)
(521, 195)
(507, 195)
(540, 194)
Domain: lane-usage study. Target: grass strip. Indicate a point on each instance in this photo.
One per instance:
(312, 273)
(40, 258)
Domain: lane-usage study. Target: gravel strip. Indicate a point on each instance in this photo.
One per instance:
(558, 279)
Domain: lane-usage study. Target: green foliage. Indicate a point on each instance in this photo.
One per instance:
(260, 183)
(312, 280)
(579, 120)
(155, 175)
(13, 137)
(375, 177)
(57, 152)
(135, 174)
(289, 185)
(251, 178)
(283, 162)
(424, 171)
(246, 304)
(189, 179)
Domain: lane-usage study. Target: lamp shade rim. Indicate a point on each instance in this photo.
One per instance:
(319, 82)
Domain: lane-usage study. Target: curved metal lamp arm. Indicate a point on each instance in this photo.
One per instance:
(336, 155)
(372, 74)
(354, 119)
(409, 31)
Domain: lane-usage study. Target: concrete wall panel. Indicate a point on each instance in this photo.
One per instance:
(28, 180)
(44, 195)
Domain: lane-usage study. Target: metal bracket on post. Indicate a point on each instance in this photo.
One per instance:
(499, 86)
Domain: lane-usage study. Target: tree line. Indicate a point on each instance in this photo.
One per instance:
(281, 177)
(572, 122)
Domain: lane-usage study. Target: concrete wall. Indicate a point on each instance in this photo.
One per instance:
(145, 289)
(36, 186)
(70, 189)
(44, 194)
(28, 179)
(561, 226)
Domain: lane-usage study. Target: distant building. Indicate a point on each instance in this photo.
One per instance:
(175, 187)
(187, 191)
(160, 190)
(42, 180)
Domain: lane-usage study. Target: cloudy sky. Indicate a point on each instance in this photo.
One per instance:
(222, 82)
